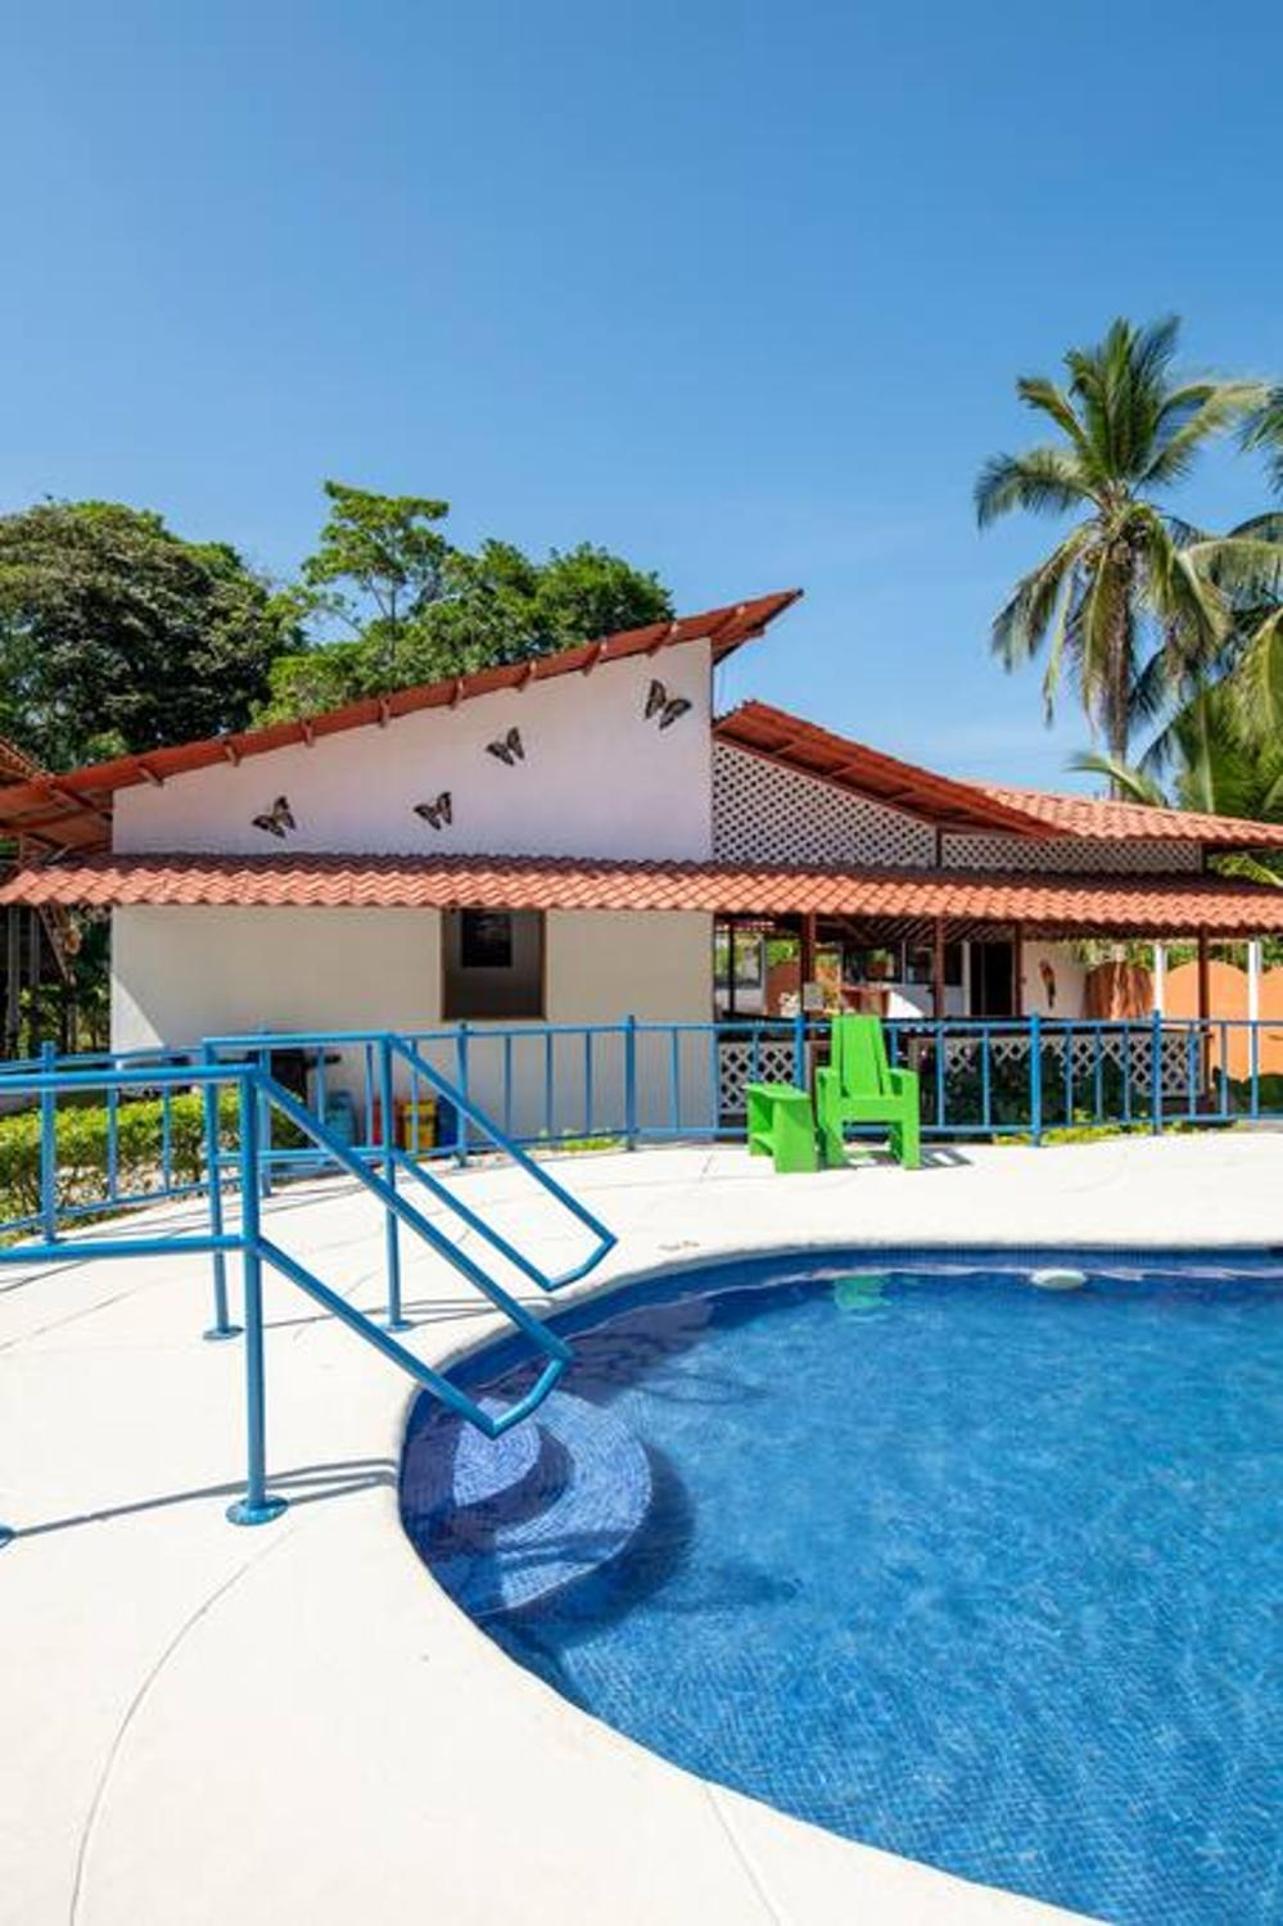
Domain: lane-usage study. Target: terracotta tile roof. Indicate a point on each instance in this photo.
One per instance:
(960, 806)
(1127, 821)
(71, 809)
(798, 744)
(1165, 905)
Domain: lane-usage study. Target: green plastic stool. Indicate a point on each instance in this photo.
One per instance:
(781, 1124)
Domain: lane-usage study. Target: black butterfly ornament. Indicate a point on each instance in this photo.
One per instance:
(438, 813)
(668, 708)
(507, 749)
(276, 820)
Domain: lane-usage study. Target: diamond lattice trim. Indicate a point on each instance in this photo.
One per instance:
(1071, 855)
(766, 814)
(1130, 1051)
(741, 1062)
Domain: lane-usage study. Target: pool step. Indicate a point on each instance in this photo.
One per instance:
(502, 1529)
(448, 1465)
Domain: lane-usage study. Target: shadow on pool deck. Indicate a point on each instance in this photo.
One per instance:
(342, 1479)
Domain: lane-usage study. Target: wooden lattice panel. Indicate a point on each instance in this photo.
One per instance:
(744, 1061)
(763, 813)
(1131, 1052)
(1071, 855)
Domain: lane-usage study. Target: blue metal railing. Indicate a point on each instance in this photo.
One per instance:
(635, 1082)
(156, 1133)
(256, 1096)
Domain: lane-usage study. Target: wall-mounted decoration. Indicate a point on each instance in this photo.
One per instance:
(438, 813)
(507, 749)
(668, 708)
(276, 820)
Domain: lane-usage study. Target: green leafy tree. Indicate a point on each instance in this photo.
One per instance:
(379, 564)
(418, 608)
(115, 634)
(1126, 603)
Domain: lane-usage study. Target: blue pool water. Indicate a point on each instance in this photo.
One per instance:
(988, 1576)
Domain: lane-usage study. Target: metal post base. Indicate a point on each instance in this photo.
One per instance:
(243, 1513)
(216, 1336)
(399, 1324)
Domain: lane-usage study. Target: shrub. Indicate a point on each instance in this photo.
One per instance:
(83, 1134)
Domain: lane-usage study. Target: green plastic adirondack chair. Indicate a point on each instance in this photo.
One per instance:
(859, 1086)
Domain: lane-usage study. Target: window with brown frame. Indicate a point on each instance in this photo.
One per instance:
(492, 964)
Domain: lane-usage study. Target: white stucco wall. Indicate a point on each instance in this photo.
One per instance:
(598, 778)
(604, 965)
(182, 974)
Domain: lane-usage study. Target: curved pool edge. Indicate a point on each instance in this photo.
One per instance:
(360, 1744)
(827, 1876)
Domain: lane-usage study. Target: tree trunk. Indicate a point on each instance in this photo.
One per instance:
(1118, 719)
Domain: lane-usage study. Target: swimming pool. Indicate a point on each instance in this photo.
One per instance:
(982, 1574)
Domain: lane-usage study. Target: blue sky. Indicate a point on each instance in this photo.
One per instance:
(740, 291)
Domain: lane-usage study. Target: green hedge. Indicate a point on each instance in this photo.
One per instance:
(82, 1136)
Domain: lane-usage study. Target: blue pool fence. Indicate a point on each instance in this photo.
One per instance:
(628, 1083)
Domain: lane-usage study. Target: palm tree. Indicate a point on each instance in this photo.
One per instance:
(1257, 664)
(1210, 764)
(1125, 602)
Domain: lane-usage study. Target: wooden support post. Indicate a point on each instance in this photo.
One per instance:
(937, 972)
(1018, 970)
(12, 979)
(35, 1020)
(806, 957)
(731, 1004)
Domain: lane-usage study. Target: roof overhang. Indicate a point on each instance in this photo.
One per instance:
(1064, 906)
(793, 743)
(958, 807)
(73, 810)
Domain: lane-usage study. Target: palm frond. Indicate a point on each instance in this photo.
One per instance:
(1124, 778)
(1193, 415)
(1265, 431)
(1021, 625)
(1046, 481)
(1036, 391)
(1259, 528)
(1256, 685)
(1246, 568)
(1250, 869)
(1105, 645)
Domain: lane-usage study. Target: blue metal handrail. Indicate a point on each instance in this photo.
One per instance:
(257, 1094)
(464, 1108)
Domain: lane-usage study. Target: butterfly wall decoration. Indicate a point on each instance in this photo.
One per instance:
(438, 813)
(276, 820)
(507, 749)
(668, 708)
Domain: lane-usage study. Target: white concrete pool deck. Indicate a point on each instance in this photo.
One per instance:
(205, 1724)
